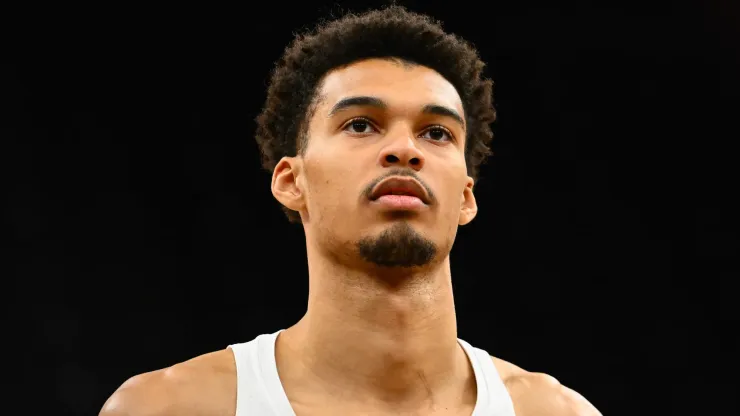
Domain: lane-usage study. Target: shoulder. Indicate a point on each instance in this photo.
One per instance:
(205, 385)
(536, 394)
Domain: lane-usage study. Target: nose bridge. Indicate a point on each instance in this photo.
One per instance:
(401, 148)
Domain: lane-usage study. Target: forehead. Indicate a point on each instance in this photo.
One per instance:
(397, 83)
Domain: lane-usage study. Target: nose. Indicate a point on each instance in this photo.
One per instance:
(402, 152)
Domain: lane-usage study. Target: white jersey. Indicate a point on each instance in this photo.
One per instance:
(260, 393)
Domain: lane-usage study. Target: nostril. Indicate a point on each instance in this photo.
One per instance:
(391, 159)
(415, 161)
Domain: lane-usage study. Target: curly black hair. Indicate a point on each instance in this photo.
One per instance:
(392, 32)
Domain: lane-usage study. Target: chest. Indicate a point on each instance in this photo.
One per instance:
(354, 410)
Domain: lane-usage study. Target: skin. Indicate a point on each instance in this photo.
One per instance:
(374, 339)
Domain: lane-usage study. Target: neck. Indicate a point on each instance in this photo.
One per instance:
(389, 341)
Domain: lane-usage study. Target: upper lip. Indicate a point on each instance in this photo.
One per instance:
(400, 186)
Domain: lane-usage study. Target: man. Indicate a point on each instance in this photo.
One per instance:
(374, 128)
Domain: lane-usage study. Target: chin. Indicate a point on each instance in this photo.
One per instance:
(398, 245)
(401, 215)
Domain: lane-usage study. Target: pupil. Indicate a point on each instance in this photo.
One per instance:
(436, 133)
(359, 125)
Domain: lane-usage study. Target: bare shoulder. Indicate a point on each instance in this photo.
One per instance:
(205, 385)
(536, 394)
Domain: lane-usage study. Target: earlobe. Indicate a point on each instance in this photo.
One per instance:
(285, 183)
(468, 205)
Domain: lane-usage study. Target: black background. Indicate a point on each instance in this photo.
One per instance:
(605, 251)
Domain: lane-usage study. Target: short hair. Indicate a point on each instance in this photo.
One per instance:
(392, 32)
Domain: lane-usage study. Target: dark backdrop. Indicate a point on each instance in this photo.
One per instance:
(144, 232)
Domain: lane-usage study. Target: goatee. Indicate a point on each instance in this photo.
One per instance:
(398, 246)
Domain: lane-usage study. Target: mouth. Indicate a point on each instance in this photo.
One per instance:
(400, 191)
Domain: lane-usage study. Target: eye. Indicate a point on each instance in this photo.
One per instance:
(359, 125)
(438, 134)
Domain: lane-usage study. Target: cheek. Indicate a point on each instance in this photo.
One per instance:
(454, 201)
(329, 192)
(455, 178)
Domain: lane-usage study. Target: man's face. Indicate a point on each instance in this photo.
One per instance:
(382, 127)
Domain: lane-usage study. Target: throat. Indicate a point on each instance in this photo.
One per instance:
(379, 373)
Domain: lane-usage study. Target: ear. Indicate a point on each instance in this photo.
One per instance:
(468, 206)
(286, 186)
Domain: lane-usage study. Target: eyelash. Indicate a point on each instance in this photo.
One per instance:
(368, 121)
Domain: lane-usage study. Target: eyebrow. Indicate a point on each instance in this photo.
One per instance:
(366, 101)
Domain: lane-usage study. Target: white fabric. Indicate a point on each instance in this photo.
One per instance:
(260, 393)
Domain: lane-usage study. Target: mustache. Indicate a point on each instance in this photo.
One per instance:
(398, 172)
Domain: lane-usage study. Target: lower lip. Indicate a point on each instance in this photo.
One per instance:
(403, 202)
